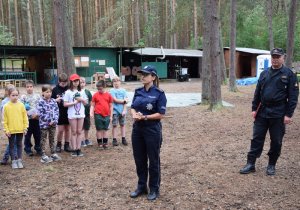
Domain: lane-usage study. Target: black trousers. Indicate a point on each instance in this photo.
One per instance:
(276, 128)
(146, 143)
(33, 129)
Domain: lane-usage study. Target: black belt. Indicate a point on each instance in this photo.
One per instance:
(272, 104)
(147, 122)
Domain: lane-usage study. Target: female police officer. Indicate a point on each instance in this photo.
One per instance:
(147, 109)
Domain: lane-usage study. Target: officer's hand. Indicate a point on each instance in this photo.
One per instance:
(253, 114)
(137, 116)
(287, 120)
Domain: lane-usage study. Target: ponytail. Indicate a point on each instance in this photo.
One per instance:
(156, 81)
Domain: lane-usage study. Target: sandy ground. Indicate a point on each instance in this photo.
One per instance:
(201, 155)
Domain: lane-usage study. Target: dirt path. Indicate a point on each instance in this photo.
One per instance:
(201, 155)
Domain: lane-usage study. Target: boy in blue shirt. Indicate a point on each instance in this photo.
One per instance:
(119, 110)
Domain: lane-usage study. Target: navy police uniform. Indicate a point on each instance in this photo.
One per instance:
(276, 96)
(147, 136)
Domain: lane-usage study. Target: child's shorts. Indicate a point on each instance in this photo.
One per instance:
(118, 118)
(63, 119)
(87, 123)
(101, 122)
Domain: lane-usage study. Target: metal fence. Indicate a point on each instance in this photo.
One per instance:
(18, 76)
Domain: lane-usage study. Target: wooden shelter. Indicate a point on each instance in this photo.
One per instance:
(245, 60)
(175, 59)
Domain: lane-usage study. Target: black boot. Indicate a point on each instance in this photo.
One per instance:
(249, 167)
(138, 192)
(271, 166)
(271, 170)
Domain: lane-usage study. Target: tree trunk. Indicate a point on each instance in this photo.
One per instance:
(8, 16)
(64, 50)
(173, 23)
(41, 21)
(1, 13)
(214, 58)
(166, 32)
(131, 16)
(124, 25)
(270, 23)
(146, 22)
(97, 17)
(195, 25)
(24, 39)
(137, 21)
(17, 35)
(291, 33)
(29, 21)
(222, 59)
(205, 74)
(232, 76)
(78, 25)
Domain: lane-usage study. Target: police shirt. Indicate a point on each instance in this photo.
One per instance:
(277, 90)
(149, 102)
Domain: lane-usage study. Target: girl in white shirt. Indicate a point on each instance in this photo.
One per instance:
(75, 99)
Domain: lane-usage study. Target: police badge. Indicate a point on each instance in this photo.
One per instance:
(149, 106)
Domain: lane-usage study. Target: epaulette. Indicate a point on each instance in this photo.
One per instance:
(160, 90)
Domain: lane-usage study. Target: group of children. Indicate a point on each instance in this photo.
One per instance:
(66, 109)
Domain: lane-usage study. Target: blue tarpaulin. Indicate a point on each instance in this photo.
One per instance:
(247, 81)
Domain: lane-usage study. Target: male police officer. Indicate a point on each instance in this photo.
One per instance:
(275, 100)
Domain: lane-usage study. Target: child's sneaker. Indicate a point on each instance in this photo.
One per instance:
(79, 153)
(88, 142)
(74, 154)
(30, 153)
(100, 142)
(46, 159)
(20, 163)
(83, 144)
(58, 148)
(115, 142)
(124, 142)
(105, 146)
(14, 164)
(55, 157)
(4, 162)
(67, 147)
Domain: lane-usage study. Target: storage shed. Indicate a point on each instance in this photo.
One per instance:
(245, 60)
(175, 59)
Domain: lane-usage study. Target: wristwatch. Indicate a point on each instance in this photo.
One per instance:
(146, 117)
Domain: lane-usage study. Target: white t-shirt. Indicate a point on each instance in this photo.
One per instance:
(77, 110)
